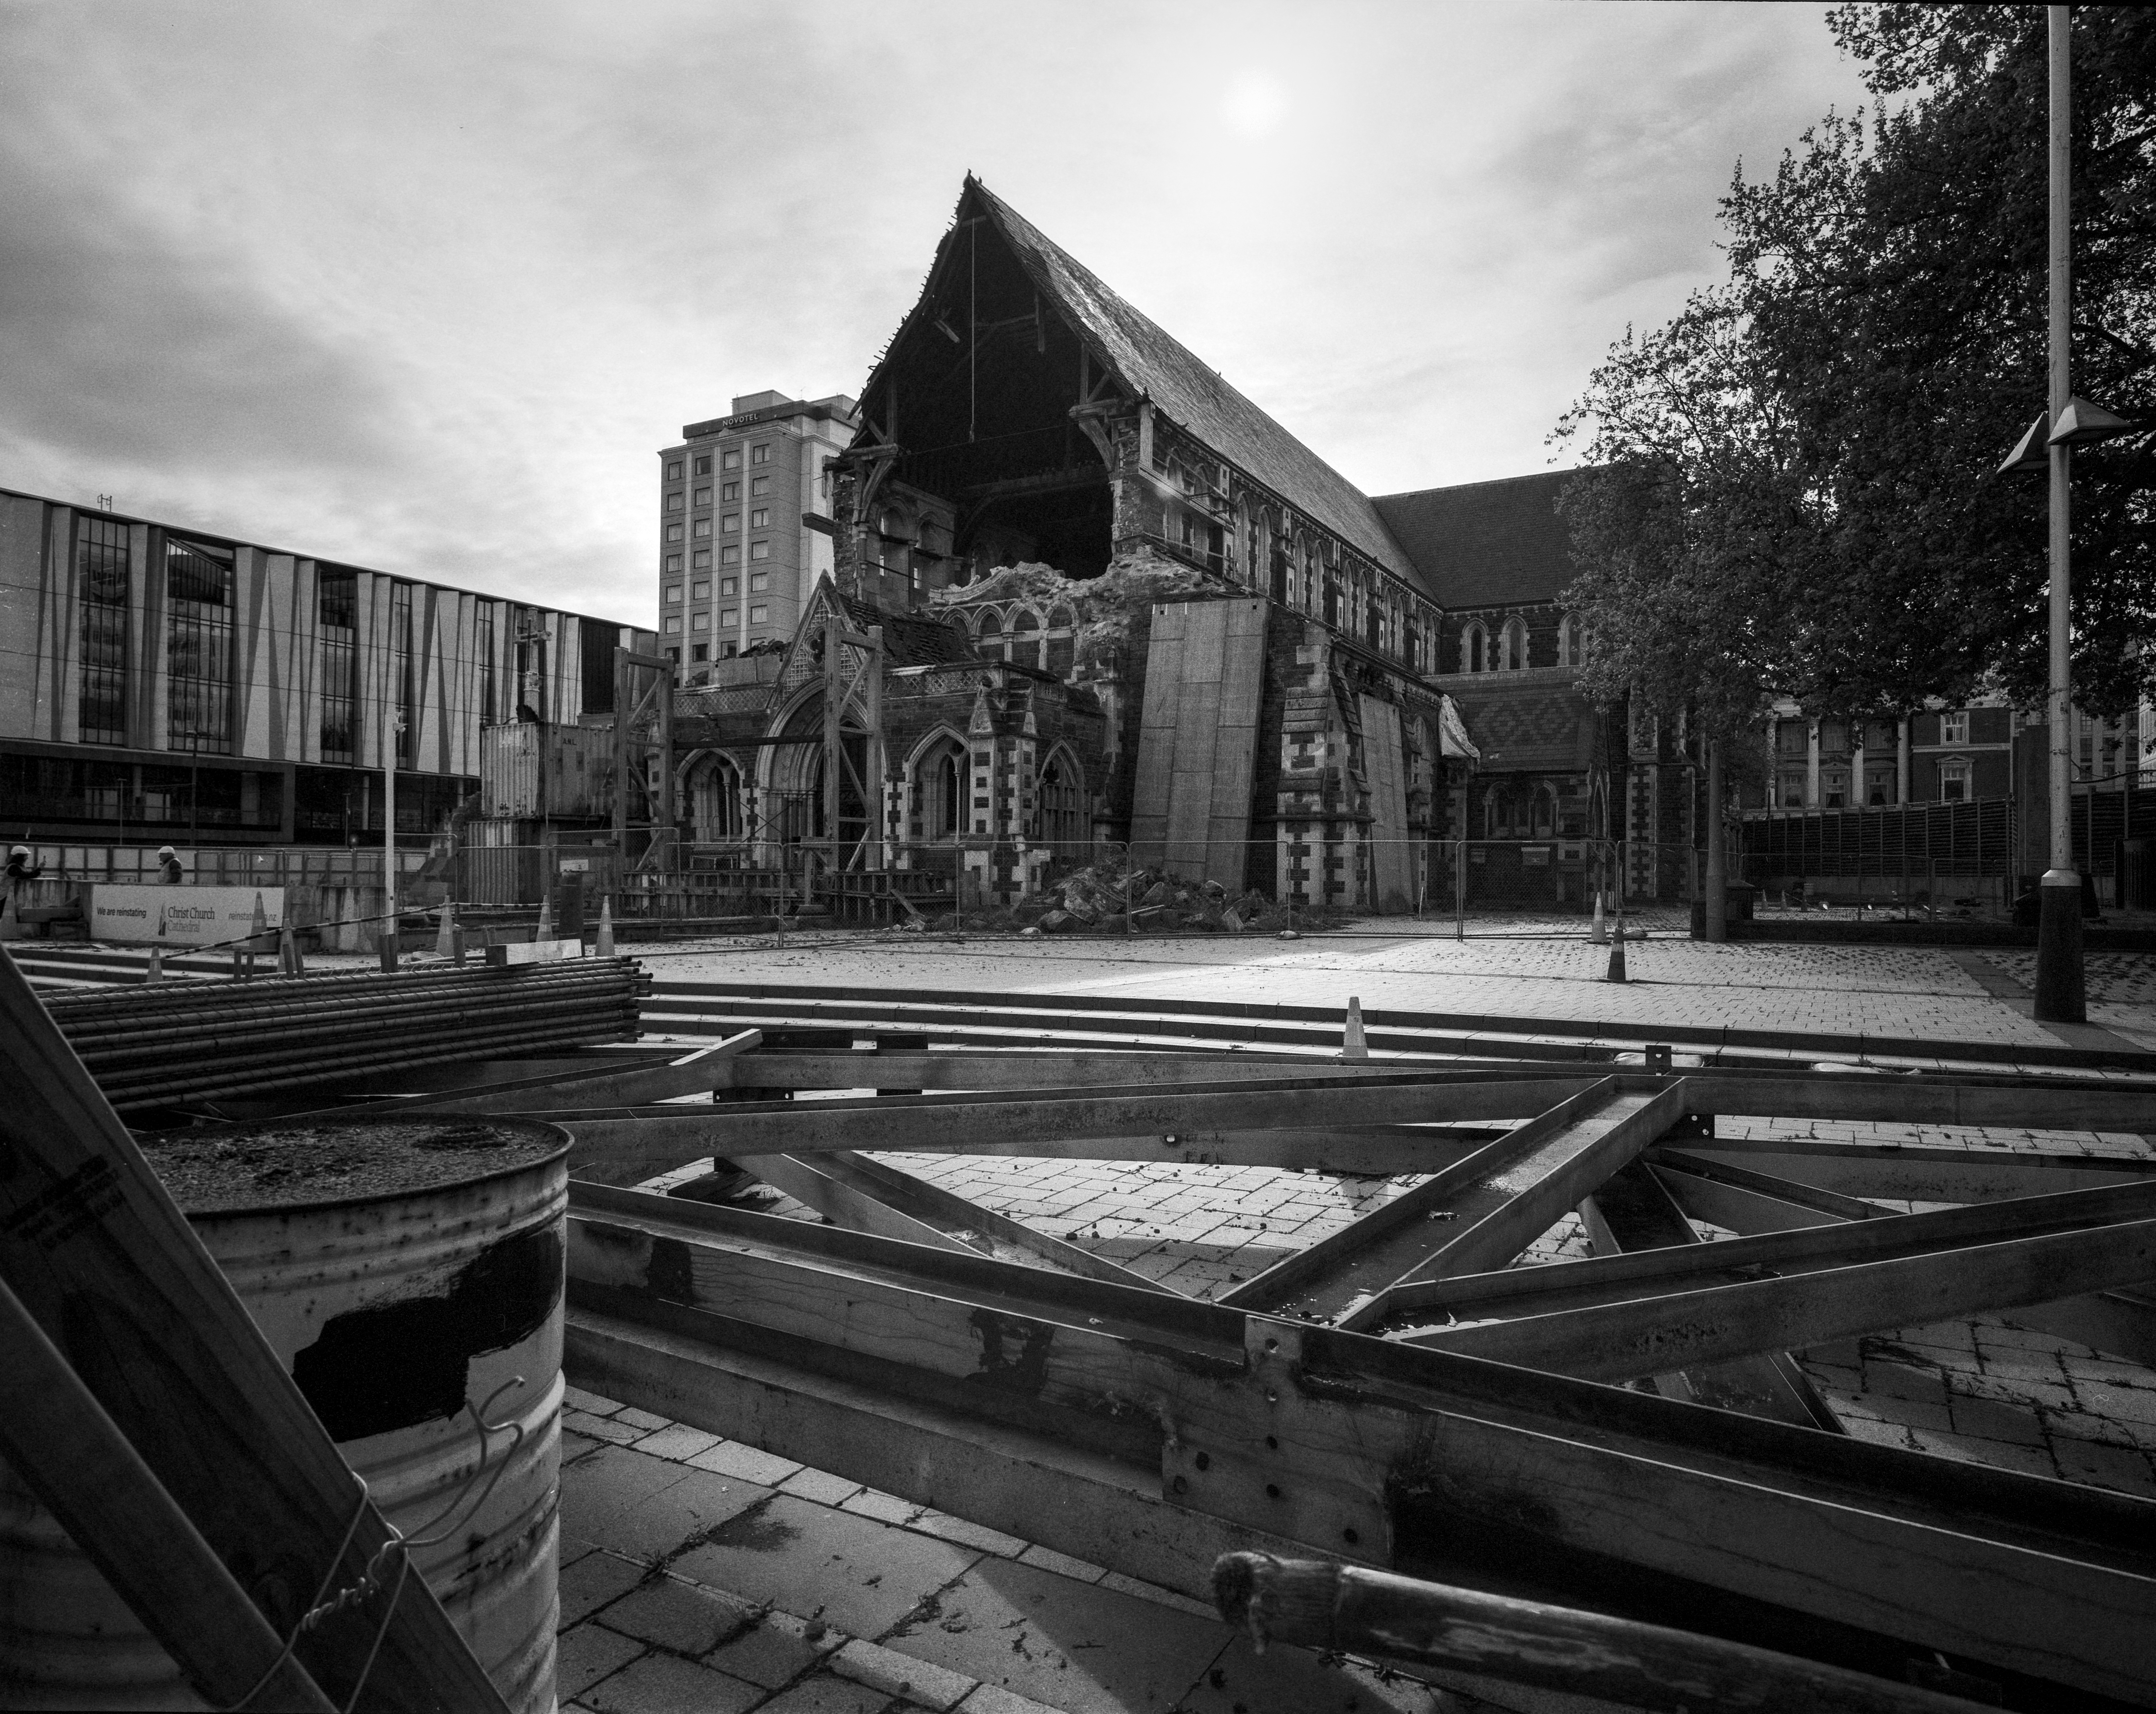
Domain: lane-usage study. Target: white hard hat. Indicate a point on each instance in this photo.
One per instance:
(167, 851)
(20, 851)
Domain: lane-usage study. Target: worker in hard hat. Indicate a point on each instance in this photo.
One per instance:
(21, 869)
(168, 867)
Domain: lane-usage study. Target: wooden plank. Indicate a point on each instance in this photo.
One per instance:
(1716, 1508)
(108, 1267)
(2003, 1104)
(2122, 1322)
(1371, 1252)
(59, 1440)
(1503, 1214)
(1095, 1507)
(1632, 1211)
(957, 1069)
(1071, 1123)
(1829, 1202)
(1646, 1335)
(1917, 1172)
(952, 1213)
(841, 1203)
(1612, 1280)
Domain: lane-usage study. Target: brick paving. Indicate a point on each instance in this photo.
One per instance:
(804, 1594)
(1913, 991)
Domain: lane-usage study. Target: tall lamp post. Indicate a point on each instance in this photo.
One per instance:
(2069, 422)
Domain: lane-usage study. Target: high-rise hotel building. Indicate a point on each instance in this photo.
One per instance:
(745, 523)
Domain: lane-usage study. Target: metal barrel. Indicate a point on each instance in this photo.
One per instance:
(390, 1310)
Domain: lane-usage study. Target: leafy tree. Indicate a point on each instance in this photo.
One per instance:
(1798, 468)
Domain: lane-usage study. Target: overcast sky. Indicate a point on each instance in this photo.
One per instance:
(424, 286)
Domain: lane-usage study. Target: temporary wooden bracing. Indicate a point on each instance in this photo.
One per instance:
(1399, 1395)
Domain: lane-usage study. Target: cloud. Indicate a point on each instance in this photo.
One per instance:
(427, 287)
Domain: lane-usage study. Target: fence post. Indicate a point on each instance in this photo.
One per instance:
(1459, 892)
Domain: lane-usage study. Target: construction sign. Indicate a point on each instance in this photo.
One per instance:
(179, 916)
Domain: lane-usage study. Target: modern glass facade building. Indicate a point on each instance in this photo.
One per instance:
(161, 683)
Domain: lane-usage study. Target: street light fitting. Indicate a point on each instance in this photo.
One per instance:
(2029, 454)
(2082, 424)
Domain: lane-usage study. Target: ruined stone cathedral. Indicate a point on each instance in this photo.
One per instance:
(1087, 596)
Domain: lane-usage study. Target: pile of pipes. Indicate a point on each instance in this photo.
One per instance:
(170, 1044)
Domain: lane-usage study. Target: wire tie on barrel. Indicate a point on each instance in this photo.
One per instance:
(369, 1581)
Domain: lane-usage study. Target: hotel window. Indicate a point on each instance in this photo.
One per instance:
(486, 644)
(730, 461)
(673, 594)
(699, 622)
(1793, 737)
(1954, 780)
(1834, 788)
(674, 501)
(725, 651)
(672, 469)
(758, 487)
(1793, 791)
(673, 624)
(729, 494)
(101, 559)
(673, 532)
(673, 655)
(758, 582)
(759, 615)
(729, 524)
(338, 625)
(674, 564)
(1953, 727)
(701, 589)
(760, 519)
(704, 465)
(400, 669)
(730, 555)
(702, 530)
(730, 586)
(760, 454)
(198, 595)
(700, 651)
(759, 550)
(1878, 783)
(703, 496)
(727, 618)
(700, 560)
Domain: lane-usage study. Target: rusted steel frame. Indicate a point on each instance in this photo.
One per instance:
(1632, 1211)
(1831, 1204)
(99, 1255)
(1600, 1281)
(1367, 1247)
(1334, 1428)
(1346, 1608)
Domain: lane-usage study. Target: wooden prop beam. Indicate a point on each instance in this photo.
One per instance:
(1632, 1211)
(1922, 1172)
(59, 1440)
(2120, 1320)
(107, 1265)
(1504, 1212)
(1345, 1608)
(935, 1069)
(1094, 1124)
(1307, 1435)
(1363, 1257)
(1618, 1341)
(1605, 1281)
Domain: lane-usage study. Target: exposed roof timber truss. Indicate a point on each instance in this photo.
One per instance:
(1399, 1393)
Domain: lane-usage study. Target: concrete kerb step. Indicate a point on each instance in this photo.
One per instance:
(1538, 1037)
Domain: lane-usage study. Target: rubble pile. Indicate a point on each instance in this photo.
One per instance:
(1105, 896)
(1114, 610)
